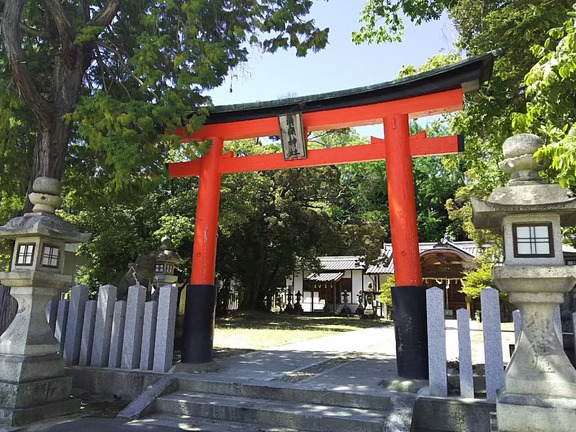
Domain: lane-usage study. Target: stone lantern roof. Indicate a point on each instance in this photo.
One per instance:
(42, 221)
(526, 192)
(165, 253)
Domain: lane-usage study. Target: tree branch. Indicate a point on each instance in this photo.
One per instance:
(125, 66)
(32, 31)
(10, 27)
(106, 14)
(65, 29)
(84, 9)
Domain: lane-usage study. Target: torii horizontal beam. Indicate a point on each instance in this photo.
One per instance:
(376, 151)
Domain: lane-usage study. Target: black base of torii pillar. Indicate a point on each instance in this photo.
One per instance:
(410, 329)
(198, 336)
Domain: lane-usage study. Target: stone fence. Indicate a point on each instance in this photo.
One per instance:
(468, 376)
(129, 334)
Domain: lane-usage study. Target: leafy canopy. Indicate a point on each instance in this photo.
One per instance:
(383, 19)
(102, 84)
(550, 90)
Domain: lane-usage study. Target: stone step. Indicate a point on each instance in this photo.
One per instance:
(291, 414)
(182, 422)
(289, 392)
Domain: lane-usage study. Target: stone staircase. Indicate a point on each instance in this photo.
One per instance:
(276, 405)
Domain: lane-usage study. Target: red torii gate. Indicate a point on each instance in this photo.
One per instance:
(435, 92)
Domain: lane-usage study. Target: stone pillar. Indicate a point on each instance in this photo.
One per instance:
(32, 382)
(539, 391)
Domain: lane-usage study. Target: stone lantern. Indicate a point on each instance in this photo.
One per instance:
(32, 381)
(167, 260)
(370, 297)
(539, 391)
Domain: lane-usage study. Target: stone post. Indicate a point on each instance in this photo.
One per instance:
(32, 381)
(539, 391)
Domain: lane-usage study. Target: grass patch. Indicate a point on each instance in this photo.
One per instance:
(253, 330)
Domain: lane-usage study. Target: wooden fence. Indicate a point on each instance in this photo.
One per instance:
(129, 334)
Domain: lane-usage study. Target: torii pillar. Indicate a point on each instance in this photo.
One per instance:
(200, 310)
(434, 92)
(409, 294)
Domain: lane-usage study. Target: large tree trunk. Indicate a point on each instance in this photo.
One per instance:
(49, 152)
(49, 99)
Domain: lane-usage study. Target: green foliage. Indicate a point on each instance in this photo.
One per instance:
(109, 81)
(17, 138)
(386, 290)
(511, 28)
(118, 238)
(487, 120)
(435, 184)
(285, 219)
(436, 178)
(123, 231)
(432, 63)
(532, 88)
(476, 280)
(382, 19)
(104, 86)
(550, 89)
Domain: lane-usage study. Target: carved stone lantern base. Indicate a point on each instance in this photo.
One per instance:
(540, 384)
(34, 388)
(33, 385)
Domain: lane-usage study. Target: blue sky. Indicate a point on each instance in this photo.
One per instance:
(342, 65)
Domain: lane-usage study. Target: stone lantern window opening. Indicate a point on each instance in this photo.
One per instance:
(533, 240)
(540, 246)
(160, 268)
(25, 254)
(50, 256)
(169, 268)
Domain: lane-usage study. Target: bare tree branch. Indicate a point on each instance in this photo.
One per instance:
(106, 14)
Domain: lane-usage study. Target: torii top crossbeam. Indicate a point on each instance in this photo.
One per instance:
(392, 103)
(435, 92)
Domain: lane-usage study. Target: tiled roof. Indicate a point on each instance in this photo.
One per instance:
(385, 268)
(335, 263)
(325, 277)
(467, 247)
(340, 263)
